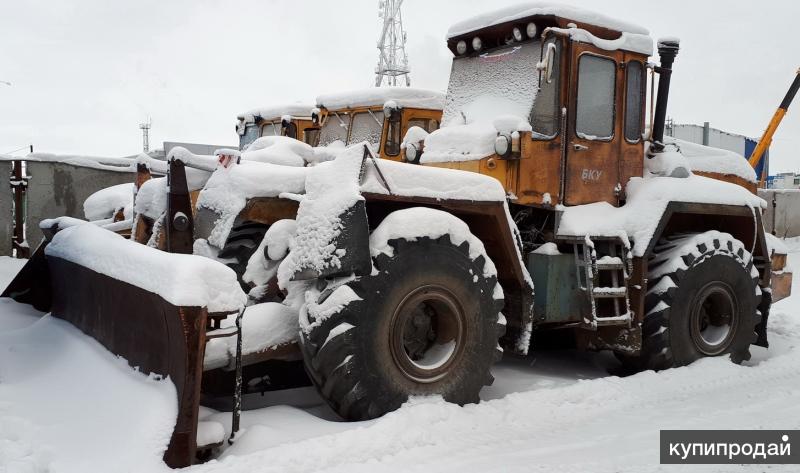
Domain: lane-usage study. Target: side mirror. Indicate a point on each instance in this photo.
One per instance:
(549, 59)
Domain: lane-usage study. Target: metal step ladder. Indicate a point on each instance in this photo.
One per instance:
(604, 279)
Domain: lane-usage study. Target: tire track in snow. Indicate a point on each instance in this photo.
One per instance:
(436, 436)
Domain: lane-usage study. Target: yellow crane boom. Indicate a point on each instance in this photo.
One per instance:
(766, 139)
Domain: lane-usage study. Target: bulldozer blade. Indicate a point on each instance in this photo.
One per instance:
(31, 285)
(153, 335)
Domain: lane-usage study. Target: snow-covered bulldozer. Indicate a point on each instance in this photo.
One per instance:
(541, 176)
(378, 116)
(413, 279)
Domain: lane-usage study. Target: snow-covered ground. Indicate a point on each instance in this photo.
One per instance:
(68, 405)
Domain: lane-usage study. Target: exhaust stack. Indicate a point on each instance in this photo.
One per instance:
(667, 50)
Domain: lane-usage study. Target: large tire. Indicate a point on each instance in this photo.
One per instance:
(381, 347)
(243, 240)
(703, 301)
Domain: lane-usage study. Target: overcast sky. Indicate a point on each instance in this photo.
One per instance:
(84, 74)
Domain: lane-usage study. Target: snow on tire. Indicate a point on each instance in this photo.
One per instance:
(703, 300)
(425, 322)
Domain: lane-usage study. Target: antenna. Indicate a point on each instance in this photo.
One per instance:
(392, 57)
(145, 127)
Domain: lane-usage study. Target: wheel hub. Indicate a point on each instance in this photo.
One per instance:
(426, 333)
(715, 317)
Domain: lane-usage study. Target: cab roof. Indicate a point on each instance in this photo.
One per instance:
(495, 27)
(526, 10)
(275, 112)
(405, 97)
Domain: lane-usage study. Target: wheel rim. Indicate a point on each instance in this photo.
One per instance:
(715, 317)
(427, 333)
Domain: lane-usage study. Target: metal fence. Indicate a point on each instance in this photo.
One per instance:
(56, 188)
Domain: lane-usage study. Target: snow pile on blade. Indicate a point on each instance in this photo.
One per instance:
(182, 280)
(647, 199)
(105, 203)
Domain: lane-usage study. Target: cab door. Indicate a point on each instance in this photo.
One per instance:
(592, 171)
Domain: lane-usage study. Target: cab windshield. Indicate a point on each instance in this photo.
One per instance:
(503, 81)
(251, 132)
(334, 129)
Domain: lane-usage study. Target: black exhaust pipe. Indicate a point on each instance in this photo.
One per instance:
(667, 50)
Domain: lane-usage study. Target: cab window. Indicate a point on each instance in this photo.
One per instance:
(634, 100)
(291, 130)
(595, 102)
(271, 129)
(367, 126)
(334, 129)
(251, 132)
(311, 136)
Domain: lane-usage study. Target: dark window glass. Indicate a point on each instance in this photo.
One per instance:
(311, 136)
(634, 81)
(595, 116)
(545, 114)
(271, 129)
(393, 135)
(291, 130)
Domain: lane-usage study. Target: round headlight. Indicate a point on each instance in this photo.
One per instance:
(517, 34)
(531, 30)
(477, 44)
(502, 145)
(461, 47)
(411, 153)
(180, 222)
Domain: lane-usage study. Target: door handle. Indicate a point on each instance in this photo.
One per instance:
(579, 147)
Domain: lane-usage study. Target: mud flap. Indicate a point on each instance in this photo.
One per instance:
(354, 239)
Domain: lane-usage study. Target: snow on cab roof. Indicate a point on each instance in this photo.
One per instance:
(528, 9)
(296, 109)
(377, 96)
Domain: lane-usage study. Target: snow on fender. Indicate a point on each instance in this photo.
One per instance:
(416, 222)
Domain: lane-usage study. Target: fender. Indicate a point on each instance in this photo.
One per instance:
(742, 222)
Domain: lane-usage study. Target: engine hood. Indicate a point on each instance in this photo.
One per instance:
(470, 141)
